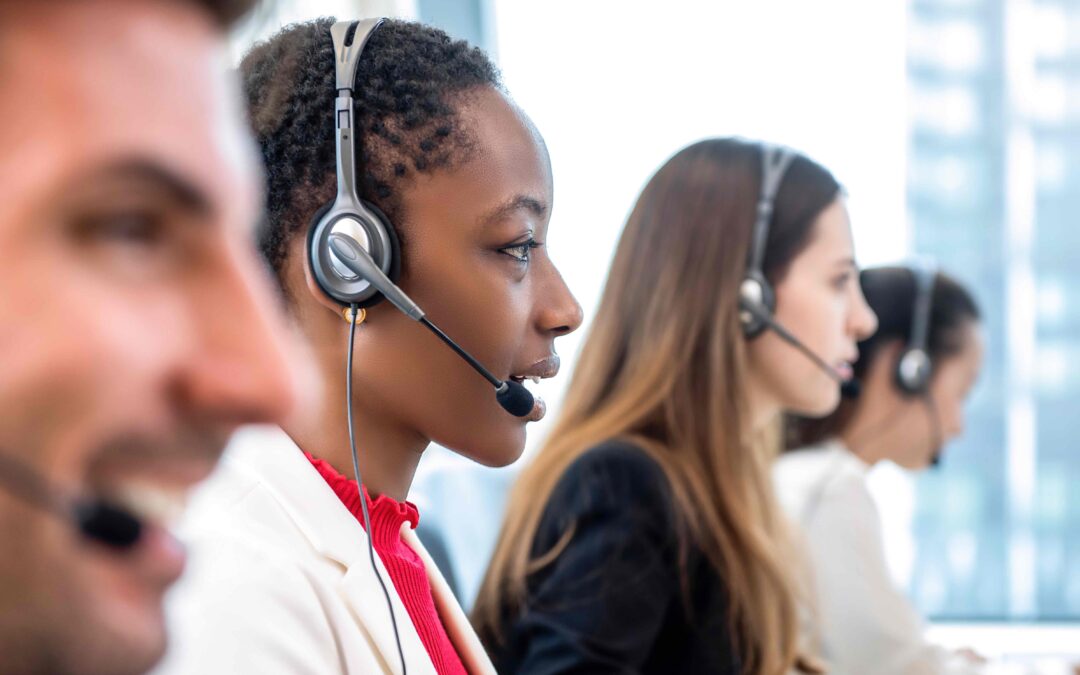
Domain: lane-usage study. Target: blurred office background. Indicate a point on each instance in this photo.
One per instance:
(955, 128)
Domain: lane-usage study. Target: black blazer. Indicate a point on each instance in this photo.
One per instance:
(613, 600)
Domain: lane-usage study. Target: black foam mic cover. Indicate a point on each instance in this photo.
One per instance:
(850, 388)
(96, 519)
(515, 399)
(107, 524)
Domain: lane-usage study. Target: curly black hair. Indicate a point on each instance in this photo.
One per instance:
(409, 83)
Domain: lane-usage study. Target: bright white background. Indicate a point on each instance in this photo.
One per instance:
(617, 87)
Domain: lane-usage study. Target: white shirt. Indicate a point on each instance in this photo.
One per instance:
(279, 581)
(866, 624)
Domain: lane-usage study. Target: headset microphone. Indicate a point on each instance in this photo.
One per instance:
(95, 519)
(936, 439)
(849, 388)
(914, 369)
(512, 396)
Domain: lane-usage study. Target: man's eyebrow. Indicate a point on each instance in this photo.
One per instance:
(158, 176)
(519, 203)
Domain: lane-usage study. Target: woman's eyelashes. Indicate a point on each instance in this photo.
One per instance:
(521, 251)
(840, 281)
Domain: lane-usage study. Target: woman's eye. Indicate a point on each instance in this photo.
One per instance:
(520, 252)
(841, 281)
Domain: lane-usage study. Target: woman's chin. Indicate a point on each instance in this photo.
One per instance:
(821, 404)
(496, 448)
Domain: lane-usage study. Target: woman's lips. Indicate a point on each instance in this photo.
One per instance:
(539, 370)
(538, 411)
(845, 371)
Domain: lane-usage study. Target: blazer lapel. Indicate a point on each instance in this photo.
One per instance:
(366, 600)
(460, 631)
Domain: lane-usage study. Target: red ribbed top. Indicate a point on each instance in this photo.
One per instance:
(403, 564)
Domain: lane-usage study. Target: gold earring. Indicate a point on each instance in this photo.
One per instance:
(347, 315)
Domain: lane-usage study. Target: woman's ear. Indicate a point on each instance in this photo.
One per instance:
(880, 377)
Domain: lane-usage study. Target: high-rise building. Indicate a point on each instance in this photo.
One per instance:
(994, 189)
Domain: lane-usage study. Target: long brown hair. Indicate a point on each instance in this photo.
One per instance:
(663, 366)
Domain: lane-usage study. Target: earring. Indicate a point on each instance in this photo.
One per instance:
(349, 317)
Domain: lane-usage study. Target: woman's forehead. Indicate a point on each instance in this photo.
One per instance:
(830, 240)
(507, 172)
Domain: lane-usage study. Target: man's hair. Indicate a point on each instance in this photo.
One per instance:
(226, 12)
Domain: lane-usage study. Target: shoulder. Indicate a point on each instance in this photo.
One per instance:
(253, 585)
(242, 544)
(264, 498)
(826, 491)
(809, 464)
(846, 482)
(615, 478)
(617, 469)
(246, 553)
(237, 513)
(240, 597)
(808, 478)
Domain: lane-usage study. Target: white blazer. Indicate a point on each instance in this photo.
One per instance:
(867, 625)
(279, 580)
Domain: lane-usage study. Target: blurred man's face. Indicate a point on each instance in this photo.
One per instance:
(136, 326)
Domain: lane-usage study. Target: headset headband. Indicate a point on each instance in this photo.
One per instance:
(774, 164)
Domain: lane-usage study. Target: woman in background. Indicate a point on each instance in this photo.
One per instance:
(645, 537)
(916, 372)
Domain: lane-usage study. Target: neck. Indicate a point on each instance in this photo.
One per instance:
(388, 451)
(762, 407)
(872, 433)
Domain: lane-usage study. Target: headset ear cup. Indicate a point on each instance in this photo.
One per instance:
(913, 372)
(757, 290)
(914, 368)
(385, 254)
(314, 255)
(395, 243)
